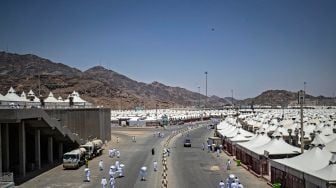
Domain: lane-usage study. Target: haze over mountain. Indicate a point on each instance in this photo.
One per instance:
(101, 86)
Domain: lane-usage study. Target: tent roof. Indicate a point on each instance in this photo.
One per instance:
(12, 96)
(51, 98)
(327, 173)
(277, 146)
(259, 140)
(331, 146)
(316, 157)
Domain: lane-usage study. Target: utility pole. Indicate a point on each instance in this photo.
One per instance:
(301, 102)
(206, 88)
(232, 98)
(199, 97)
(39, 85)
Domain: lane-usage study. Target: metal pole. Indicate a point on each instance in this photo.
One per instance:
(304, 91)
(301, 97)
(199, 97)
(232, 98)
(206, 89)
(39, 85)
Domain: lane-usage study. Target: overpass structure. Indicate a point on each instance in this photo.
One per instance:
(34, 140)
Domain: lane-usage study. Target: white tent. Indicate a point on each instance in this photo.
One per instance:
(75, 98)
(259, 140)
(30, 95)
(12, 96)
(316, 157)
(3, 98)
(23, 96)
(277, 146)
(324, 176)
(331, 146)
(51, 98)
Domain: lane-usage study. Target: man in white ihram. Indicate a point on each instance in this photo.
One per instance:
(118, 153)
(87, 174)
(155, 165)
(221, 184)
(112, 182)
(143, 173)
(103, 182)
(101, 165)
(121, 170)
(112, 171)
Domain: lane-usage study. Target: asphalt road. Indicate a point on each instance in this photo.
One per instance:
(195, 168)
(134, 155)
(187, 167)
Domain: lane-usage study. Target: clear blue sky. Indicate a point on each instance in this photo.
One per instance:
(255, 45)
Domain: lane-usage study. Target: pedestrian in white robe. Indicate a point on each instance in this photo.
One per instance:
(155, 165)
(103, 182)
(221, 184)
(101, 165)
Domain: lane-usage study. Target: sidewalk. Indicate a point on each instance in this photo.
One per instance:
(246, 177)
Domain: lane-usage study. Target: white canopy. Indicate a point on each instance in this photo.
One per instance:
(331, 146)
(51, 98)
(3, 98)
(32, 94)
(75, 98)
(259, 140)
(327, 173)
(12, 96)
(316, 157)
(277, 146)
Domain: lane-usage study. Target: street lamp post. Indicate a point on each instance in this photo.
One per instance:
(232, 98)
(301, 101)
(199, 97)
(206, 88)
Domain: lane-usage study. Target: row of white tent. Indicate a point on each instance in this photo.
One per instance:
(321, 170)
(171, 114)
(12, 98)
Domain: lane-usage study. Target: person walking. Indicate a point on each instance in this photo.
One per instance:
(203, 146)
(155, 165)
(153, 151)
(118, 153)
(101, 165)
(217, 152)
(87, 174)
(221, 184)
(228, 164)
(117, 139)
(112, 182)
(103, 182)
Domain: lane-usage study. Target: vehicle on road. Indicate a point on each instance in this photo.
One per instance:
(93, 148)
(74, 158)
(187, 143)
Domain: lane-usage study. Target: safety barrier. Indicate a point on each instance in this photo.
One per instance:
(164, 181)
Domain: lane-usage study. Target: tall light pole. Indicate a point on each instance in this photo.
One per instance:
(304, 91)
(206, 88)
(199, 97)
(232, 98)
(301, 102)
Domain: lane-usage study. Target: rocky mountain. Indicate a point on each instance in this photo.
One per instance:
(97, 84)
(101, 86)
(285, 98)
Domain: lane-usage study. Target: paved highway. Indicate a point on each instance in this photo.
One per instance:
(187, 167)
(195, 168)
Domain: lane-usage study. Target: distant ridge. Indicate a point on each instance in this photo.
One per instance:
(105, 87)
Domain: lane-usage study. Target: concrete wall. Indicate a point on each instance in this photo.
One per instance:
(87, 123)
